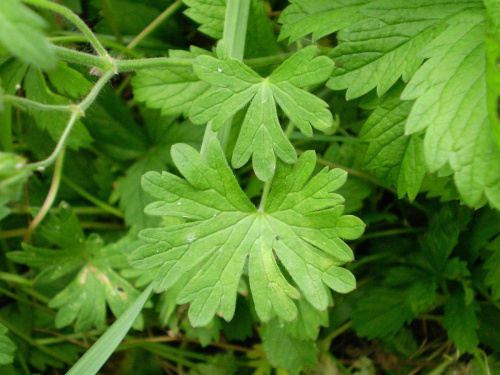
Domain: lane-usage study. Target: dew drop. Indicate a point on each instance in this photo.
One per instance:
(18, 86)
(40, 169)
(215, 215)
(219, 70)
(179, 203)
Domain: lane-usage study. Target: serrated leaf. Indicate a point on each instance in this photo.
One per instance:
(234, 85)
(172, 90)
(493, 275)
(459, 131)
(384, 311)
(286, 352)
(7, 347)
(444, 230)
(209, 14)
(397, 159)
(323, 17)
(68, 81)
(54, 122)
(380, 48)
(96, 284)
(461, 322)
(301, 224)
(22, 35)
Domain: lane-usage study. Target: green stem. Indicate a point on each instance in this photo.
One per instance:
(106, 207)
(6, 143)
(105, 42)
(443, 366)
(235, 28)
(392, 232)
(16, 279)
(82, 58)
(51, 196)
(15, 330)
(151, 63)
(167, 13)
(24, 210)
(77, 111)
(25, 104)
(66, 12)
(327, 341)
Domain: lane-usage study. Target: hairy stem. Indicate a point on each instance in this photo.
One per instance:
(77, 21)
(54, 188)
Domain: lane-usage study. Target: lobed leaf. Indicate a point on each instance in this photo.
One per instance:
(458, 128)
(234, 85)
(301, 224)
(96, 283)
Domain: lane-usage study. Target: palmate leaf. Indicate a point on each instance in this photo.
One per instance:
(301, 224)
(381, 47)
(96, 282)
(234, 85)
(451, 104)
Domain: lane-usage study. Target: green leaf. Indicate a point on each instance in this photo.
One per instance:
(13, 174)
(22, 35)
(381, 47)
(384, 311)
(493, 275)
(397, 159)
(308, 323)
(68, 81)
(461, 322)
(103, 348)
(458, 128)
(54, 122)
(444, 230)
(320, 17)
(133, 199)
(285, 351)
(172, 90)
(96, 283)
(234, 85)
(301, 224)
(7, 347)
(209, 13)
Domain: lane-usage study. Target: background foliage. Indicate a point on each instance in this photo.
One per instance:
(243, 239)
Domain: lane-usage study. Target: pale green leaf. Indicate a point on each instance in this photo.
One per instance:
(21, 33)
(96, 283)
(380, 48)
(319, 17)
(54, 122)
(461, 322)
(308, 323)
(397, 158)
(209, 14)
(285, 351)
(68, 81)
(234, 85)
(7, 347)
(224, 229)
(172, 90)
(459, 131)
